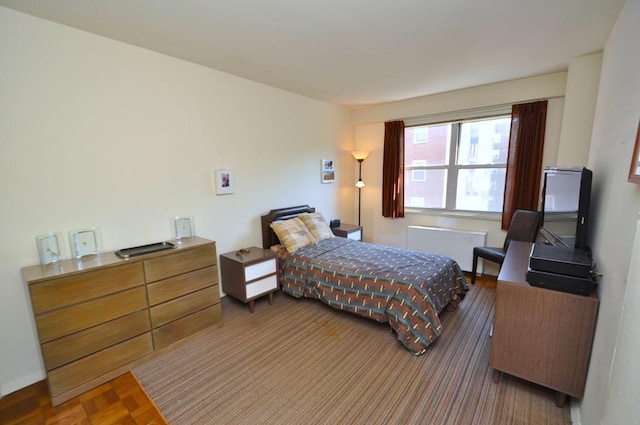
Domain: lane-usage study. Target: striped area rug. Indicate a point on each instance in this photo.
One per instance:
(301, 362)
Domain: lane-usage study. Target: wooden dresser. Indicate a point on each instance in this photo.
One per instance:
(100, 316)
(541, 335)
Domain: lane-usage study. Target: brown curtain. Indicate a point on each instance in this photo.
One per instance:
(393, 170)
(524, 161)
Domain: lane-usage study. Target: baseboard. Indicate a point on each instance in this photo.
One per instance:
(575, 414)
(21, 383)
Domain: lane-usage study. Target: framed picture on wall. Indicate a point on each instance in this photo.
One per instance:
(224, 182)
(328, 171)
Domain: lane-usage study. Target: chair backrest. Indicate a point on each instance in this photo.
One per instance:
(524, 227)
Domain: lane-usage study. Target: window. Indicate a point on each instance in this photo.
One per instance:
(420, 135)
(418, 175)
(457, 166)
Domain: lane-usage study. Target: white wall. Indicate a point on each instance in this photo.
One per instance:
(622, 399)
(579, 109)
(613, 373)
(94, 132)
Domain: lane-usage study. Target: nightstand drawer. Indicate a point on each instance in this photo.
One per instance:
(355, 235)
(262, 286)
(259, 270)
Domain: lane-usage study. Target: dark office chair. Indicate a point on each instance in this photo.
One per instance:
(523, 227)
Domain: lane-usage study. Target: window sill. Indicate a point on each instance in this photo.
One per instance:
(472, 215)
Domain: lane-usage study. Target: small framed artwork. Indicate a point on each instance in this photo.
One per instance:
(224, 182)
(49, 248)
(85, 242)
(328, 171)
(183, 227)
(634, 169)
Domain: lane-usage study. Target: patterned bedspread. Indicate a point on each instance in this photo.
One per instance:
(405, 288)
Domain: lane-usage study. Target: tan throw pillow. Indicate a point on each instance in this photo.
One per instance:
(292, 234)
(317, 225)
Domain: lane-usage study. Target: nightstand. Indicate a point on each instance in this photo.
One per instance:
(349, 231)
(249, 275)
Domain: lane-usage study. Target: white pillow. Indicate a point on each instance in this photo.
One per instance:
(317, 225)
(293, 234)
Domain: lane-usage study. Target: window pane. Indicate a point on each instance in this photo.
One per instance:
(484, 141)
(427, 143)
(428, 193)
(480, 189)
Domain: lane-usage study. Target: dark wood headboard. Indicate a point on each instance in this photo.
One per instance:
(269, 238)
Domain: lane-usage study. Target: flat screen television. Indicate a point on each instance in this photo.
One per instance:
(566, 197)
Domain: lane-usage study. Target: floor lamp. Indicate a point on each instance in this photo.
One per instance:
(359, 156)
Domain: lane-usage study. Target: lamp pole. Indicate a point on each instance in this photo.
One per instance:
(360, 184)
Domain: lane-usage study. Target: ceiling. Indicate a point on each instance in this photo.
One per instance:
(352, 52)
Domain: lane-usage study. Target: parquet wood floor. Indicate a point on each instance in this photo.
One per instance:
(121, 401)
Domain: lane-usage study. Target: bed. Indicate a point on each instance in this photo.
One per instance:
(406, 289)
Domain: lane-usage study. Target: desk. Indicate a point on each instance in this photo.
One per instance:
(541, 335)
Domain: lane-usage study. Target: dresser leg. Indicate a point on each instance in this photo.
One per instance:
(251, 306)
(496, 376)
(270, 298)
(561, 399)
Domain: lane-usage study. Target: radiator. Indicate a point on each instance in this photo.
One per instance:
(454, 243)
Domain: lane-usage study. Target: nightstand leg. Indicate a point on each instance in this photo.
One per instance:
(561, 399)
(495, 377)
(251, 306)
(270, 298)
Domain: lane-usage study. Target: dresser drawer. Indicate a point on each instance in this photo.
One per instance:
(168, 289)
(77, 317)
(259, 270)
(180, 262)
(57, 293)
(80, 344)
(67, 377)
(188, 325)
(179, 307)
(262, 286)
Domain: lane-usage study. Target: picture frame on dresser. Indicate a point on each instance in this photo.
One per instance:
(85, 242)
(183, 227)
(50, 248)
